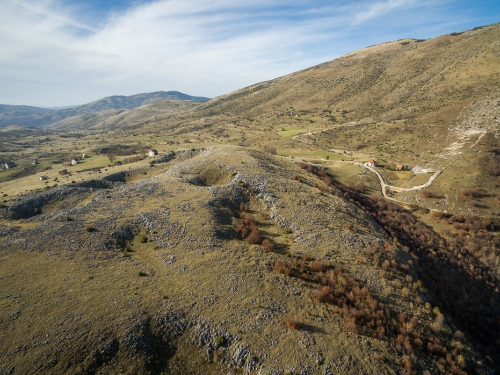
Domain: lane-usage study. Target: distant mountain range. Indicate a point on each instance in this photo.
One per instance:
(39, 117)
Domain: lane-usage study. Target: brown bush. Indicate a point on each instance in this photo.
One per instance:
(437, 214)
(242, 230)
(292, 323)
(283, 267)
(268, 245)
(429, 194)
(319, 265)
(254, 237)
(469, 193)
(351, 325)
(321, 293)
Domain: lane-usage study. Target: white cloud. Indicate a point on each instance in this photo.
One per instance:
(203, 48)
(53, 53)
(377, 9)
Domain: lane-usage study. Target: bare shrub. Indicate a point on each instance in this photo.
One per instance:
(469, 193)
(255, 237)
(242, 230)
(438, 323)
(292, 323)
(437, 214)
(270, 150)
(429, 194)
(268, 245)
(283, 267)
(319, 265)
(321, 293)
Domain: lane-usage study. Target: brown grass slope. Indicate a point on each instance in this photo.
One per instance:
(124, 118)
(148, 275)
(426, 103)
(431, 80)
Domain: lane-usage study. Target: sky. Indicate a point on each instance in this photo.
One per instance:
(57, 53)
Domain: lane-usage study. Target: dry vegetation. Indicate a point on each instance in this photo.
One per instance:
(448, 268)
(211, 258)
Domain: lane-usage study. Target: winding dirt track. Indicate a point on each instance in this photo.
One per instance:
(383, 185)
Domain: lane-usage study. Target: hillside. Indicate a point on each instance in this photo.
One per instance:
(425, 80)
(128, 102)
(430, 105)
(37, 117)
(258, 241)
(164, 273)
(124, 119)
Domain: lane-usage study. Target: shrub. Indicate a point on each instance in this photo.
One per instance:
(429, 194)
(142, 274)
(292, 323)
(270, 150)
(242, 230)
(319, 265)
(143, 239)
(283, 267)
(437, 214)
(220, 341)
(254, 237)
(268, 245)
(90, 229)
(469, 193)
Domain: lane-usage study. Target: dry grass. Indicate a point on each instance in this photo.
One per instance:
(196, 266)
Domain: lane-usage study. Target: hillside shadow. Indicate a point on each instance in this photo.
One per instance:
(311, 328)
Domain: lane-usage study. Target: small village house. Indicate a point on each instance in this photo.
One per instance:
(9, 165)
(371, 163)
(152, 152)
(399, 167)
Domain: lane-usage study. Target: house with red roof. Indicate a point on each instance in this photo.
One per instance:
(371, 163)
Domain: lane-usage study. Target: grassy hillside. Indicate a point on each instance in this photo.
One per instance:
(431, 105)
(258, 241)
(125, 119)
(230, 251)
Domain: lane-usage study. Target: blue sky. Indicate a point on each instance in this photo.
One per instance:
(65, 52)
